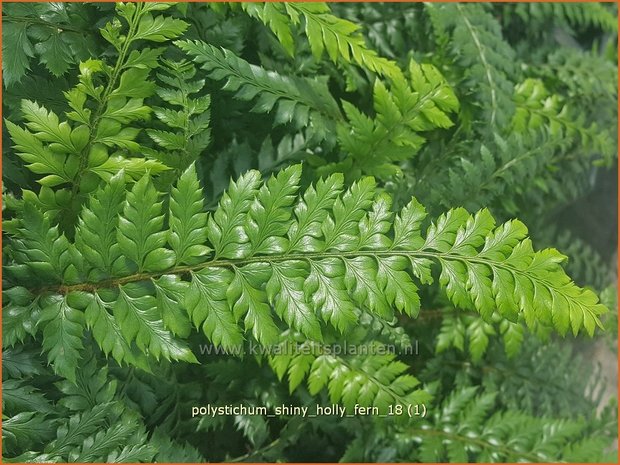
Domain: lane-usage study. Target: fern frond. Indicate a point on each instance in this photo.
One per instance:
(58, 37)
(189, 130)
(537, 382)
(367, 379)
(536, 110)
(477, 44)
(586, 264)
(406, 110)
(358, 253)
(173, 451)
(99, 427)
(302, 101)
(18, 396)
(509, 174)
(578, 15)
(460, 331)
(580, 75)
(21, 362)
(325, 32)
(21, 315)
(77, 156)
(25, 431)
(466, 427)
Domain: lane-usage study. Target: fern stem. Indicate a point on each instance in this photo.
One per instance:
(438, 256)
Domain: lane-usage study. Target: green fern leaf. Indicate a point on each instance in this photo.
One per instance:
(170, 291)
(367, 380)
(96, 232)
(207, 305)
(45, 251)
(285, 290)
(188, 222)
(270, 216)
(140, 236)
(226, 231)
(339, 37)
(136, 313)
(18, 396)
(159, 28)
(39, 159)
(246, 297)
(107, 331)
(26, 430)
(62, 335)
(311, 213)
(329, 293)
(276, 18)
(20, 314)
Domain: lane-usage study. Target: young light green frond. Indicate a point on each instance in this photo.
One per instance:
(364, 258)
(465, 331)
(276, 17)
(46, 127)
(38, 158)
(537, 110)
(159, 28)
(340, 38)
(403, 112)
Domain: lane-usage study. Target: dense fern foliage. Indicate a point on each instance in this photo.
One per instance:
(297, 232)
